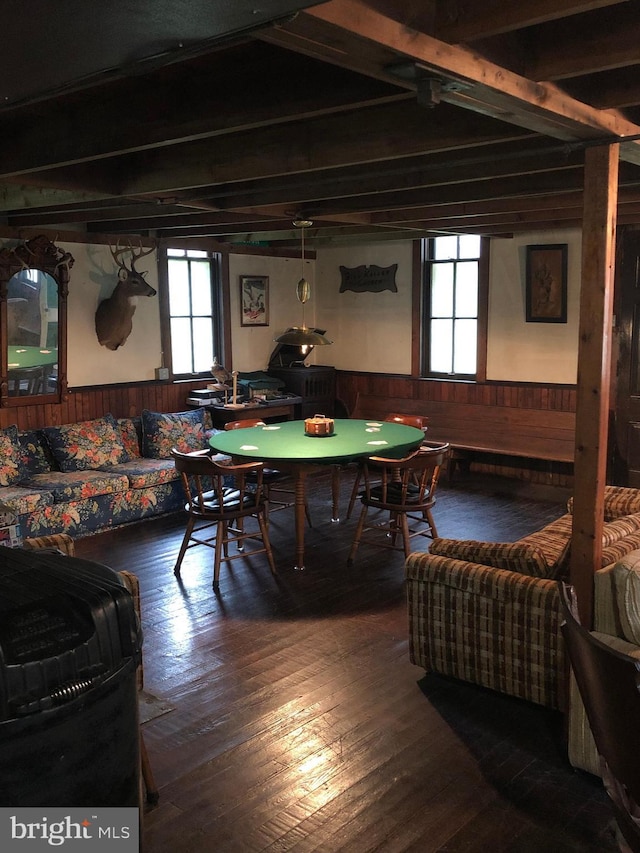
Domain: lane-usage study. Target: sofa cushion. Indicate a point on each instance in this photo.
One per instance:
(86, 445)
(11, 469)
(619, 528)
(554, 541)
(146, 473)
(620, 548)
(25, 499)
(625, 589)
(618, 500)
(78, 485)
(131, 434)
(35, 453)
(616, 528)
(163, 431)
(514, 556)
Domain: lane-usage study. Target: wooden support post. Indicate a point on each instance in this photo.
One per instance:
(594, 357)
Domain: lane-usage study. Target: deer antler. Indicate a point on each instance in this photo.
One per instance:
(118, 251)
(141, 252)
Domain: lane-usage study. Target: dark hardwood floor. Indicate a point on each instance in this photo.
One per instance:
(298, 723)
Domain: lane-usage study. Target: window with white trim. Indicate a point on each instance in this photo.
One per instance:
(194, 305)
(451, 306)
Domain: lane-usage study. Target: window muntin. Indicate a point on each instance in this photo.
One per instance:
(194, 315)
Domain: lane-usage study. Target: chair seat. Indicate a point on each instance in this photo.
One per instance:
(270, 475)
(231, 502)
(395, 494)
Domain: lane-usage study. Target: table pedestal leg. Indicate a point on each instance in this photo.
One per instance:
(300, 517)
(335, 494)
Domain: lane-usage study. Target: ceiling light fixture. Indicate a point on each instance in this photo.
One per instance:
(302, 336)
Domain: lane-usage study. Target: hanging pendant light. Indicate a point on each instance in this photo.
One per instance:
(302, 336)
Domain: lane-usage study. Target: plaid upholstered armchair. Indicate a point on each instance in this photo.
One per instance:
(489, 613)
(495, 625)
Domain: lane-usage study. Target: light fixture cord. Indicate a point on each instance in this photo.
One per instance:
(304, 325)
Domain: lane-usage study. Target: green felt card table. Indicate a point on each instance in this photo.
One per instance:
(287, 447)
(21, 357)
(27, 363)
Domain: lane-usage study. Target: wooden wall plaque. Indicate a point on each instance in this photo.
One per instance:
(368, 279)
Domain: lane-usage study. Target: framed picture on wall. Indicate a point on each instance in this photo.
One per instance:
(254, 300)
(546, 283)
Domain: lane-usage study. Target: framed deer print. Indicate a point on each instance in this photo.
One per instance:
(254, 300)
(546, 283)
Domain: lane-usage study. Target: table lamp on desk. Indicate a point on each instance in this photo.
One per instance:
(234, 404)
(222, 377)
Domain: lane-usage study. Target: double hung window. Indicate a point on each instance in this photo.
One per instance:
(451, 300)
(194, 308)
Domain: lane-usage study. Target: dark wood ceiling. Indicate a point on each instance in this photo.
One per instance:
(377, 120)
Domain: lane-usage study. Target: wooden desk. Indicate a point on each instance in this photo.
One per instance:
(285, 446)
(270, 411)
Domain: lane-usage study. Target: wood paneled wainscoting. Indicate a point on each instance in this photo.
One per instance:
(83, 404)
(128, 400)
(536, 399)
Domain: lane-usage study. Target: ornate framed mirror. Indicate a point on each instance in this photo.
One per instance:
(34, 278)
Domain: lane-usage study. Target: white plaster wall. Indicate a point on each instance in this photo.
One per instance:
(252, 345)
(531, 352)
(371, 331)
(93, 278)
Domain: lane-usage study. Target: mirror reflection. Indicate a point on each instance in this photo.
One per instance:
(32, 333)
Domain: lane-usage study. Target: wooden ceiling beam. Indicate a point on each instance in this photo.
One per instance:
(189, 223)
(465, 22)
(604, 39)
(472, 82)
(507, 204)
(354, 179)
(287, 240)
(19, 196)
(611, 89)
(397, 176)
(547, 182)
(401, 129)
(185, 105)
(532, 219)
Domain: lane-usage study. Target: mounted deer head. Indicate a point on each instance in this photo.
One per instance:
(114, 316)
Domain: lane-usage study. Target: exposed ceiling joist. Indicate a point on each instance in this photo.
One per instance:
(379, 119)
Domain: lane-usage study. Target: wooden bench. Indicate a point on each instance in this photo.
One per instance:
(473, 429)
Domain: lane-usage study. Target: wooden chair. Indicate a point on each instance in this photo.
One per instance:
(609, 684)
(26, 381)
(275, 481)
(213, 503)
(405, 491)
(418, 421)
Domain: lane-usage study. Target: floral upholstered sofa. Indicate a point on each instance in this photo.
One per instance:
(92, 475)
